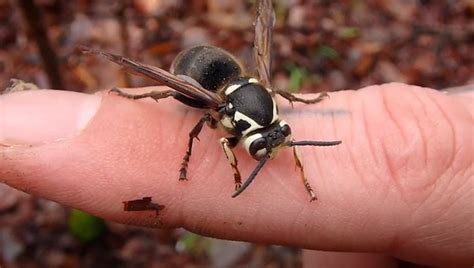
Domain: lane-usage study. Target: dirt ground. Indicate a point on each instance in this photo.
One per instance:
(318, 46)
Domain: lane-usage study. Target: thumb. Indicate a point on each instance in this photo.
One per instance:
(41, 116)
(397, 184)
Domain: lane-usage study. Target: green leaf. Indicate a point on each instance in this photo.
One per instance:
(328, 52)
(193, 244)
(84, 226)
(298, 76)
(348, 32)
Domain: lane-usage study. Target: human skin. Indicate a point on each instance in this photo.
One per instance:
(399, 185)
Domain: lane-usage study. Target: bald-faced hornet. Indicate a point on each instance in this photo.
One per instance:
(208, 77)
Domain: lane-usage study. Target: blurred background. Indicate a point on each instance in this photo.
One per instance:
(319, 45)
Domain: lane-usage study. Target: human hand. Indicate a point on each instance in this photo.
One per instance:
(400, 183)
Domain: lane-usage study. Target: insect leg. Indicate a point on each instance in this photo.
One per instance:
(252, 176)
(292, 98)
(156, 95)
(192, 135)
(299, 164)
(227, 145)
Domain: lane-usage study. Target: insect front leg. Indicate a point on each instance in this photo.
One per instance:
(292, 98)
(192, 135)
(299, 164)
(227, 145)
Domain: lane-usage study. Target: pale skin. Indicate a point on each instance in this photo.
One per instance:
(400, 185)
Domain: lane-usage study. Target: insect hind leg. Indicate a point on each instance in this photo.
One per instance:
(156, 95)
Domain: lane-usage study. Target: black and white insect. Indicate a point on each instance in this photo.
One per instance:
(208, 77)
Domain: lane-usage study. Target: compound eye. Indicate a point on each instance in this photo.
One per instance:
(257, 148)
(285, 129)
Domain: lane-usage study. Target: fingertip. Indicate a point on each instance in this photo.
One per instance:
(40, 116)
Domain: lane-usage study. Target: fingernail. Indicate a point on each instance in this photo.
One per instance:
(40, 116)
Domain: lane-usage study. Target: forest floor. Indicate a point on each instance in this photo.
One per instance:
(317, 46)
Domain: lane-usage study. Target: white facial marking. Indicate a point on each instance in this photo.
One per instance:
(227, 122)
(261, 152)
(247, 141)
(253, 125)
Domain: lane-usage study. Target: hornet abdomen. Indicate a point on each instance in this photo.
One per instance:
(210, 66)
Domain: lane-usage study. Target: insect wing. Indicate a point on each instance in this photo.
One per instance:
(160, 75)
(264, 23)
